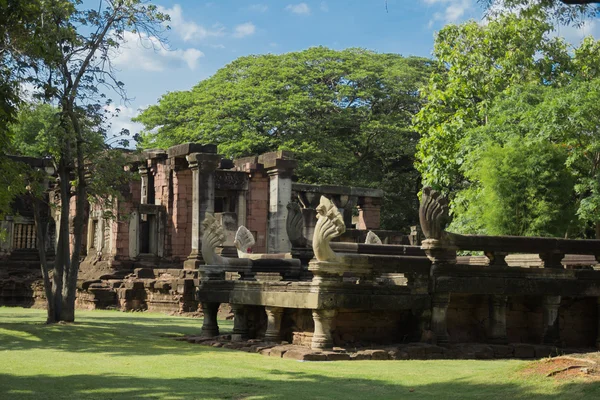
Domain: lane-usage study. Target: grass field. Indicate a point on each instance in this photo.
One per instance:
(114, 355)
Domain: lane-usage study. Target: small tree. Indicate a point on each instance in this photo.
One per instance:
(70, 62)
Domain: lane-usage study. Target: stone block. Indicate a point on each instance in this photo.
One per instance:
(398, 354)
(544, 351)
(296, 354)
(523, 350)
(360, 355)
(334, 356)
(279, 351)
(502, 351)
(265, 352)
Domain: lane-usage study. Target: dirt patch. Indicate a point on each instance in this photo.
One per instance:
(586, 366)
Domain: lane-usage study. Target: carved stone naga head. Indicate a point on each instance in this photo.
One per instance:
(330, 224)
(433, 214)
(213, 236)
(295, 225)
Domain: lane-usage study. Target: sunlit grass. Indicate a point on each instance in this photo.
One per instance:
(113, 355)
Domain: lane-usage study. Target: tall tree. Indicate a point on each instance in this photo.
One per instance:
(513, 100)
(345, 114)
(69, 62)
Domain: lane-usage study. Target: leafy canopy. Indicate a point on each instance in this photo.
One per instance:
(345, 114)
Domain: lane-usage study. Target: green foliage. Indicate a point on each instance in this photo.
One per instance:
(481, 62)
(345, 114)
(524, 190)
(510, 91)
(536, 162)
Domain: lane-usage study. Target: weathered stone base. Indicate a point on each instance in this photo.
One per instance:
(407, 351)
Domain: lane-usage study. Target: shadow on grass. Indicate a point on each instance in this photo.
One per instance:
(123, 335)
(296, 385)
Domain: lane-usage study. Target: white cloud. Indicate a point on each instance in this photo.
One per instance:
(245, 29)
(139, 51)
(300, 8)
(324, 7)
(189, 30)
(120, 118)
(453, 10)
(259, 8)
(575, 35)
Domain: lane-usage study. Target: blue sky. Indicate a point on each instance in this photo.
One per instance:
(207, 35)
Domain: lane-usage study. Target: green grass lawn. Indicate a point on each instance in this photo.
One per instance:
(114, 355)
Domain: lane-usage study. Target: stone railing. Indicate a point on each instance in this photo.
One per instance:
(249, 268)
(441, 246)
(498, 280)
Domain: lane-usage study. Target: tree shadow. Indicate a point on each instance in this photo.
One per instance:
(297, 385)
(116, 336)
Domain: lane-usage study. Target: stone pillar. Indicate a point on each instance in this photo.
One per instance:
(143, 170)
(240, 323)
(324, 324)
(439, 311)
(550, 306)
(369, 212)
(242, 208)
(280, 192)
(274, 314)
(552, 260)
(203, 166)
(497, 330)
(210, 327)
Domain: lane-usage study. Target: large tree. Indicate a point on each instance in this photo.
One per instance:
(487, 135)
(345, 114)
(68, 63)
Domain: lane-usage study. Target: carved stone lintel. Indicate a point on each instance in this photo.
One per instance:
(210, 327)
(497, 329)
(324, 325)
(439, 311)
(550, 305)
(240, 323)
(330, 224)
(274, 315)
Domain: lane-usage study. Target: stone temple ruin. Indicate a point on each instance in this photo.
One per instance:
(200, 233)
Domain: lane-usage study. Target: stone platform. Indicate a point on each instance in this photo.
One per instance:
(404, 351)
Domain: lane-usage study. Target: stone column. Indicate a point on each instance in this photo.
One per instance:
(143, 170)
(240, 323)
(242, 207)
(324, 324)
(550, 306)
(280, 193)
(369, 212)
(439, 311)
(210, 327)
(498, 319)
(552, 259)
(203, 166)
(274, 314)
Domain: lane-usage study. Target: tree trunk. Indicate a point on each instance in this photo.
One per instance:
(62, 260)
(41, 223)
